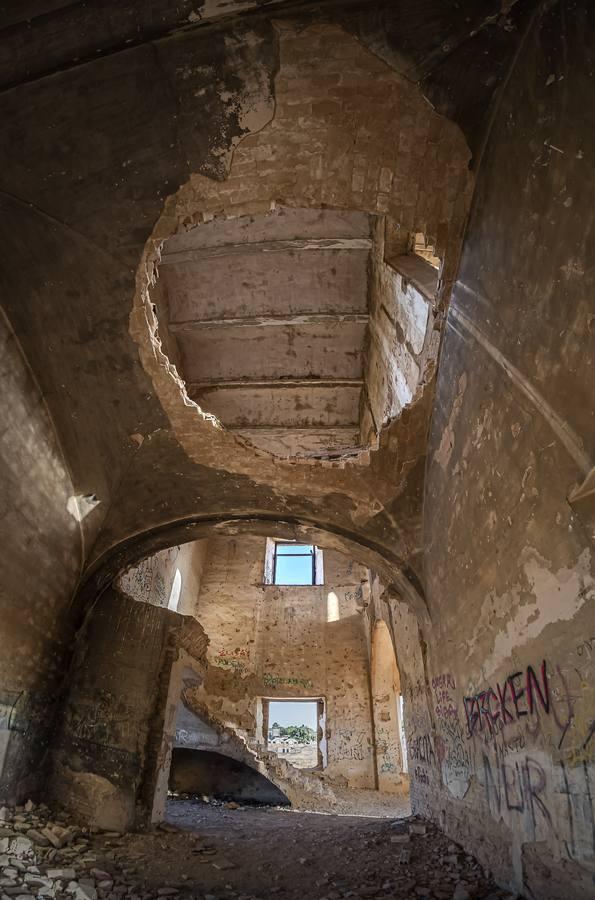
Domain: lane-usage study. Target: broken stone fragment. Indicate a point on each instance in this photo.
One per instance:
(100, 875)
(17, 846)
(223, 864)
(53, 837)
(399, 838)
(20, 865)
(40, 839)
(64, 874)
(81, 891)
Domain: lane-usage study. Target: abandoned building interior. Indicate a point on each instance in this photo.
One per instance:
(297, 453)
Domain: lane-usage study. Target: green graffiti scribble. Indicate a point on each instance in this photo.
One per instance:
(222, 662)
(275, 680)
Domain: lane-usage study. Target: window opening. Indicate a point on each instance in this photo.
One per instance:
(293, 731)
(294, 563)
(426, 250)
(401, 710)
(176, 590)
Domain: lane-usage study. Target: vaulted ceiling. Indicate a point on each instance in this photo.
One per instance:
(103, 123)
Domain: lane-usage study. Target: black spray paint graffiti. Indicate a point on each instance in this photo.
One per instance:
(422, 750)
(519, 788)
(421, 775)
(516, 786)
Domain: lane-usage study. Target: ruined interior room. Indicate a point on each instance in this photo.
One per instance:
(297, 459)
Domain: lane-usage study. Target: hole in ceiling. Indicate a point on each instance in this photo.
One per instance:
(292, 328)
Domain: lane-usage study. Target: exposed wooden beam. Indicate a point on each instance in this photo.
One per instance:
(266, 321)
(418, 271)
(197, 254)
(283, 429)
(195, 387)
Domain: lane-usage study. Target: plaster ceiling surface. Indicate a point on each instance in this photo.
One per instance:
(270, 317)
(102, 125)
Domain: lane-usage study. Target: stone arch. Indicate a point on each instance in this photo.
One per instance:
(386, 690)
(117, 559)
(177, 644)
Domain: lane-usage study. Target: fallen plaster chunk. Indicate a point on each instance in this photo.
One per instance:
(40, 839)
(64, 874)
(81, 891)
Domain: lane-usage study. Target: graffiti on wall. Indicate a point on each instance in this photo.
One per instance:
(529, 740)
(230, 662)
(422, 749)
(146, 582)
(349, 744)
(420, 774)
(543, 800)
(533, 734)
(272, 680)
(388, 750)
(238, 653)
(237, 659)
(521, 694)
(545, 703)
(453, 752)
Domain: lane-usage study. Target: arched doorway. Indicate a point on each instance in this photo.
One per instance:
(387, 713)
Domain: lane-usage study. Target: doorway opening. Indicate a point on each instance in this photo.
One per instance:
(387, 708)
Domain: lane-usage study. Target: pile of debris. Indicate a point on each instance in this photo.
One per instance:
(454, 874)
(45, 858)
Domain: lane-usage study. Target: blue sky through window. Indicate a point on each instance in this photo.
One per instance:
(292, 569)
(287, 713)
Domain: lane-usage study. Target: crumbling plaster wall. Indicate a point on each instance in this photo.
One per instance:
(502, 698)
(286, 641)
(39, 568)
(402, 341)
(110, 751)
(152, 579)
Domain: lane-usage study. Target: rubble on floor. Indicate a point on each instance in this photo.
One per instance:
(213, 852)
(45, 857)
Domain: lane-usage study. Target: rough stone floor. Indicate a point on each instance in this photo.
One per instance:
(216, 852)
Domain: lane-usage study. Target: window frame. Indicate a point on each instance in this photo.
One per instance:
(263, 715)
(289, 555)
(269, 572)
